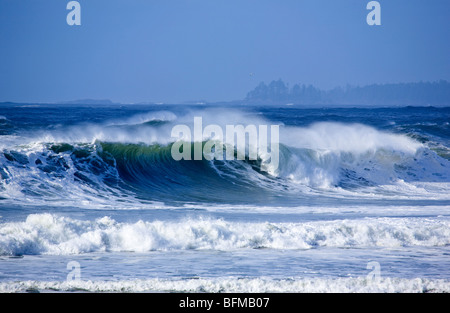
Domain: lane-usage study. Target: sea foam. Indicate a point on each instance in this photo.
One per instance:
(239, 285)
(57, 235)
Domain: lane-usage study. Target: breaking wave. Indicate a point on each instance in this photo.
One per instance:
(131, 160)
(56, 235)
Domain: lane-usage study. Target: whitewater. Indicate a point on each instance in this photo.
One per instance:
(98, 186)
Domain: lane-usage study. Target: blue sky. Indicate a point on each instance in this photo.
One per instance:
(181, 50)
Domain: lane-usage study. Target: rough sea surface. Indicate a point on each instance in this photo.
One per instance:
(91, 199)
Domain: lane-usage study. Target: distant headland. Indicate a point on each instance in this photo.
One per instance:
(399, 94)
(279, 93)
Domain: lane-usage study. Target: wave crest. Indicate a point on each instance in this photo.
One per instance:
(52, 234)
(131, 160)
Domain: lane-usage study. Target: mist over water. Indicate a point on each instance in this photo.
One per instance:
(99, 181)
(132, 156)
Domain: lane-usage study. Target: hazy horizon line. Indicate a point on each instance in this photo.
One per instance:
(108, 101)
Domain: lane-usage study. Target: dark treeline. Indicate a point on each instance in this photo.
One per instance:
(421, 93)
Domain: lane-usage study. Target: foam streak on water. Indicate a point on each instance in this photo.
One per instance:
(99, 186)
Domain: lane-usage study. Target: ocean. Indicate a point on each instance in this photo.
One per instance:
(91, 199)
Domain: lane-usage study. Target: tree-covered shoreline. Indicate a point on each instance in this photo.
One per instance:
(420, 93)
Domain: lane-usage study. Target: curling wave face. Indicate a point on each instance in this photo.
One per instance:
(99, 186)
(130, 161)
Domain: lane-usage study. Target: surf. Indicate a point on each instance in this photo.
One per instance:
(52, 234)
(128, 161)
